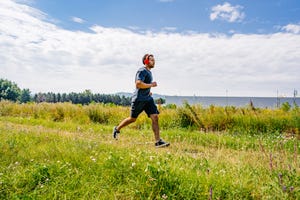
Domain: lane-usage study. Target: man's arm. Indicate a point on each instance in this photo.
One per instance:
(141, 85)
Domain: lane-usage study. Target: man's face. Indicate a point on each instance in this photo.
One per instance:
(151, 62)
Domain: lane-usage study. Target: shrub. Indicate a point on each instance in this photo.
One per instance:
(286, 106)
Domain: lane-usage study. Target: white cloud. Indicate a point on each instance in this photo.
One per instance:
(227, 12)
(41, 56)
(78, 20)
(292, 28)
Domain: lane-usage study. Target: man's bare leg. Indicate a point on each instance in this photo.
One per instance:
(155, 126)
(125, 122)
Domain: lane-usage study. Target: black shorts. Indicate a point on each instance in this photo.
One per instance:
(139, 106)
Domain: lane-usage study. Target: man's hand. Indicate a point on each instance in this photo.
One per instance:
(153, 84)
(140, 84)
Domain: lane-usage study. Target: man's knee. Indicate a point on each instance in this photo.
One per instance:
(131, 119)
(154, 117)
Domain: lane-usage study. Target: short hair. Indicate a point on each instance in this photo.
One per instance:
(146, 56)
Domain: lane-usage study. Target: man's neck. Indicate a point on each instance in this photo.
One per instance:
(147, 67)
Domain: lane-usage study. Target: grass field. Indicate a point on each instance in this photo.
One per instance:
(47, 156)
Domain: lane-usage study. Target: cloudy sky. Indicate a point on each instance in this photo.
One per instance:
(203, 48)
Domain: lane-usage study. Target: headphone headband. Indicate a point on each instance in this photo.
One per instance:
(146, 61)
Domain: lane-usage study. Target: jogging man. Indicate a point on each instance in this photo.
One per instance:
(143, 101)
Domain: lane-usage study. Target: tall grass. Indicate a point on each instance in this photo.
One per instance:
(240, 120)
(235, 120)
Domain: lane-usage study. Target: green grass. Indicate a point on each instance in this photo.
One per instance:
(44, 158)
(247, 120)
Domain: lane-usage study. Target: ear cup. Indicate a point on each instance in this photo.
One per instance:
(146, 61)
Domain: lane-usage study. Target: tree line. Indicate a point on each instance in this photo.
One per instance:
(10, 91)
(84, 98)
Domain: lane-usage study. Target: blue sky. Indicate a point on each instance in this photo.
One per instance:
(202, 47)
(184, 15)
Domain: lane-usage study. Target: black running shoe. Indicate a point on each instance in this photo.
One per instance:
(161, 143)
(115, 132)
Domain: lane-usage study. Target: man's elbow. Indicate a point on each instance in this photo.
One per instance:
(138, 84)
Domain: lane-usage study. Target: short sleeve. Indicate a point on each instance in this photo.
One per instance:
(140, 75)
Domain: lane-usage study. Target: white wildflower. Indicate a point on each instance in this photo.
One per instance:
(164, 196)
(93, 159)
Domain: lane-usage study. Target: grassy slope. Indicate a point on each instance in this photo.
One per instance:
(41, 159)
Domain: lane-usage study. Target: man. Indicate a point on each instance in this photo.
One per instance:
(143, 101)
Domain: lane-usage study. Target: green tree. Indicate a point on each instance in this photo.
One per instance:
(9, 90)
(85, 97)
(25, 96)
(64, 97)
(160, 101)
(58, 96)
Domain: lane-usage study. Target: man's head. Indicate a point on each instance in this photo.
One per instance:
(148, 60)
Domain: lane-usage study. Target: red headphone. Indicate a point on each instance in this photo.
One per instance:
(146, 61)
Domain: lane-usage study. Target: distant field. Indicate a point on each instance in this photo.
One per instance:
(64, 151)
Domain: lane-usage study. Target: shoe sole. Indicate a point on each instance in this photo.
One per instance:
(163, 145)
